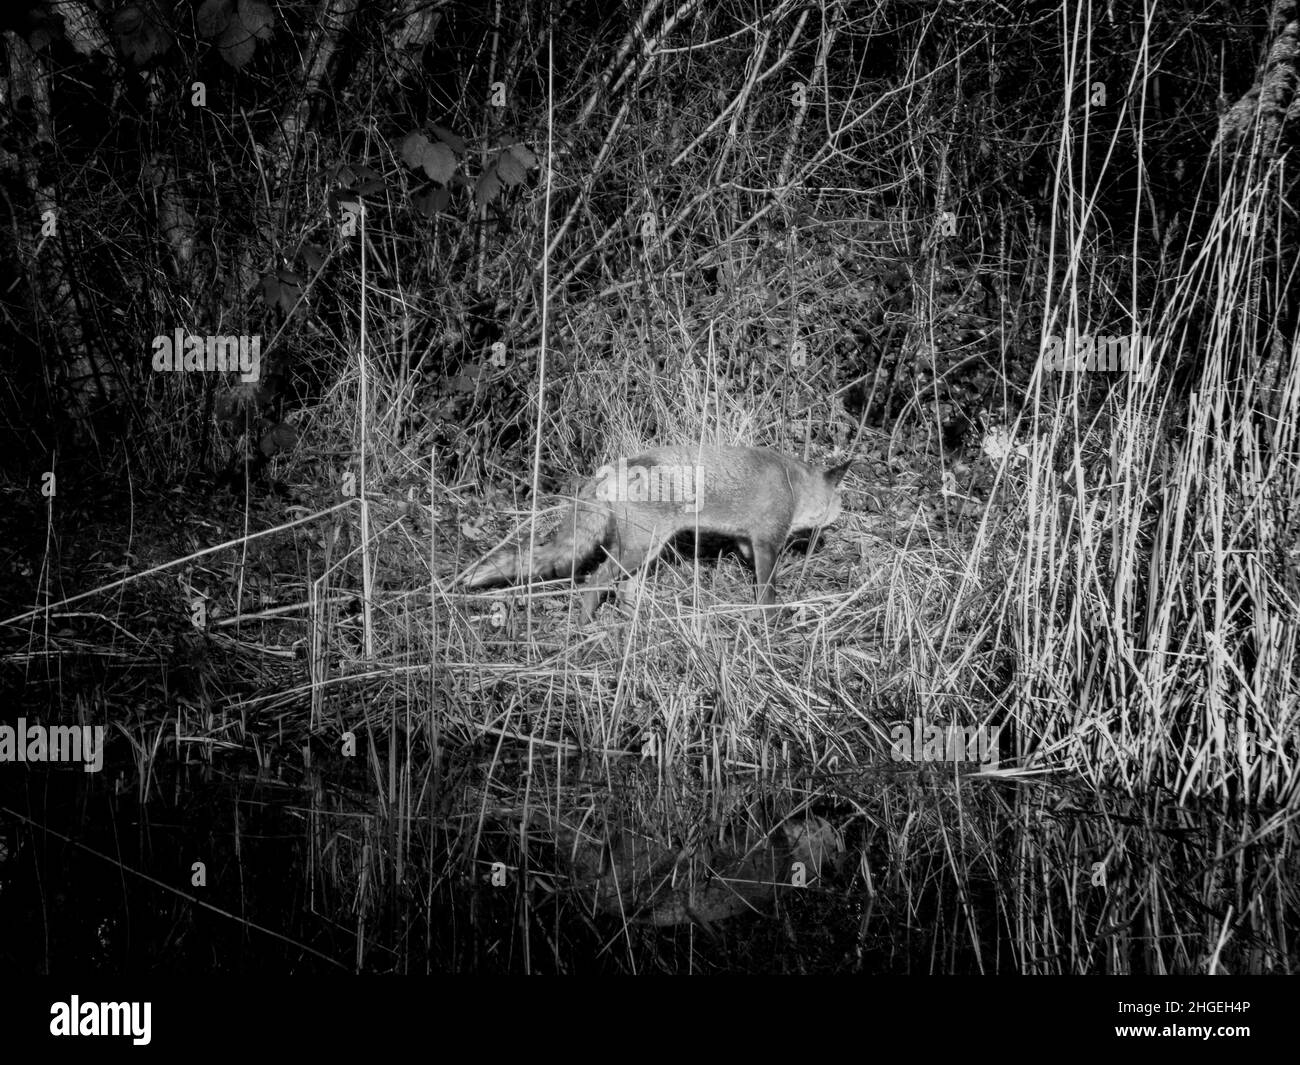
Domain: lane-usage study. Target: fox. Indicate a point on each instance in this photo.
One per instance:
(625, 515)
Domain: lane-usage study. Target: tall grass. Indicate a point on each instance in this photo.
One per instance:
(1106, 580)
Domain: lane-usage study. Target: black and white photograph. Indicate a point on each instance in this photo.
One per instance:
(568, 488)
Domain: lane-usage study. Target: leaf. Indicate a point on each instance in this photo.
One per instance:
(527, 159)
(139, 38)
(281, 289)
(510, 170)
(436, 160)
(439, 163)
(431, 201)
(313, 255)
(488, 187)
(128, 20)
(412, 149)
(280, 437)
(236, 45)
(450, 139)
(270, 286)
(289, 296)
(214, 16)
(44, 28)
(253, 20)
(258, 18)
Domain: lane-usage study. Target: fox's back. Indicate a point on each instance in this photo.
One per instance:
(743, 492)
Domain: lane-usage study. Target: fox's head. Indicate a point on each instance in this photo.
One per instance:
(822, 503)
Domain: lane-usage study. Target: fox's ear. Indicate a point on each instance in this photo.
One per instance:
(836, 473)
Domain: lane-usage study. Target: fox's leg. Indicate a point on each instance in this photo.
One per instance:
(764, 562)
(604, 574)
(620, 559)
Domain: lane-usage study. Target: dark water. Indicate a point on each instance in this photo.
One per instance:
(93, 880)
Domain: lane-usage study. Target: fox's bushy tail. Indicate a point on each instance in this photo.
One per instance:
(585, 528)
